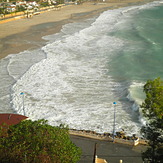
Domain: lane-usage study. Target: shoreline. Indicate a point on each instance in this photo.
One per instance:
(32, 30)
(120, 138)
(26, 34)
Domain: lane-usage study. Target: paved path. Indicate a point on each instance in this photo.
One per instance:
(112, 152)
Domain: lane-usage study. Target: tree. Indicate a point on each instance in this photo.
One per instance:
(20, 8)
(153, 113)
(36, 141)
(153, 105)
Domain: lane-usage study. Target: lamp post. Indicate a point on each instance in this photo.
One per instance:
(114, 120)
(22, 93)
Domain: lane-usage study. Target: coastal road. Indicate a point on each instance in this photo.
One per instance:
(112, 152)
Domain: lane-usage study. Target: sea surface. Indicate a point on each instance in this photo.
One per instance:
(89, 70)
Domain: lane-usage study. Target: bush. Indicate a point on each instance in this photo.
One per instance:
(36, 141)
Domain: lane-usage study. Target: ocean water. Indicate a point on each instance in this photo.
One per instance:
(86, 67)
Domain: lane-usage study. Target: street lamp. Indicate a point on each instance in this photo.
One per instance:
(22, 93)
(114, 120)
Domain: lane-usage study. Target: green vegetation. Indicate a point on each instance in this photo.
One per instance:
(153, 112)
(36, 141)
(44, 4)
(20, 8)
(3, 9)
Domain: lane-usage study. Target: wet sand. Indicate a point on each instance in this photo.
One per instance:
(27, 33)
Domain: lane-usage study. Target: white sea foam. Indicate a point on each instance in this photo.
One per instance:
(72, 84)
(20, 63)
(5, 83)
(136, 94)
(128, 11)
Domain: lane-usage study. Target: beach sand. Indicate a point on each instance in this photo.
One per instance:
(27, 33)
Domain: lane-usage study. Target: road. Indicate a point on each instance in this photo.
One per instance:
(112, 152)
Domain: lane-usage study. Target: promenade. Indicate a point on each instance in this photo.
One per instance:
(119, 138)
(111, 152)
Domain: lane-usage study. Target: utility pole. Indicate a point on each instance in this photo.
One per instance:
(94, 156)
(114, 120)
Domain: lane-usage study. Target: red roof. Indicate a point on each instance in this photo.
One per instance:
(11, 119)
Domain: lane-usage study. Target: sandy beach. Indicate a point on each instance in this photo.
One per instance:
(23, 34)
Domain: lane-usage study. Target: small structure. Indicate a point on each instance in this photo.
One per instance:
(99, 160)
(11, 119)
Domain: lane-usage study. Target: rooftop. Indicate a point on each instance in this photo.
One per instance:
(11, 119)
